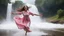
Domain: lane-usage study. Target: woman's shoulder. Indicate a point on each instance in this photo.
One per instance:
(21, 11)
(28, 11)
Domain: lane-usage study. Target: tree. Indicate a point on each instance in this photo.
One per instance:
(49, 7)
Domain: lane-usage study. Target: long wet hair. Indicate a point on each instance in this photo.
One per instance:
(23, 8)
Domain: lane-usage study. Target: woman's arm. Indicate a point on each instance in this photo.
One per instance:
(38, 15)
(35, 14)
(16, 12)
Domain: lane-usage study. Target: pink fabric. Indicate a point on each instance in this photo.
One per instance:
(23, 22)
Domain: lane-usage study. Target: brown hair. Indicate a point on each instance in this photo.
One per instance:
(23, 8)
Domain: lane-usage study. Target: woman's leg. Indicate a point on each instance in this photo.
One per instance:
(29, 24)
(26, 33)
(27, 28)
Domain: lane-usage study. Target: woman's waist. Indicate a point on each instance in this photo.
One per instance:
(26, 17)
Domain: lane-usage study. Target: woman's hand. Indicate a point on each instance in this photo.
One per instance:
(12, 13)
(41, 15)
(38, 15)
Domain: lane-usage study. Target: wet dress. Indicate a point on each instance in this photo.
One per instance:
(23, 22)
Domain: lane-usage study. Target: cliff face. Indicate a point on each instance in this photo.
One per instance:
(49, 7)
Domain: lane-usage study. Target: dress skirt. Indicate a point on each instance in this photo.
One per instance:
(22, 23)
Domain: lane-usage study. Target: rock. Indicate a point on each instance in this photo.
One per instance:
(61, 22)
(54, 21)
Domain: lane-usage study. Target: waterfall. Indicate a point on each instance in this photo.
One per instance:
(9, 10)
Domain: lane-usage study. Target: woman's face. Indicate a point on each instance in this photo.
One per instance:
(25, 8)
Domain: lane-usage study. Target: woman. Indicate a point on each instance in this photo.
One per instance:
(24, 22)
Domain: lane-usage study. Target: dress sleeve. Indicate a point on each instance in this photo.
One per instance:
(31, 13)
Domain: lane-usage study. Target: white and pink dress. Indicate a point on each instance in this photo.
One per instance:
(23, 22)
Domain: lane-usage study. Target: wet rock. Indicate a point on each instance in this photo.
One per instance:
(61, 22)
(54, 21)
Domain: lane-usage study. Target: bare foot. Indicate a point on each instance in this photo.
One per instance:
(26, 33)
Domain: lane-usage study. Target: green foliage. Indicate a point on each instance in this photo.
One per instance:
(39, 2)
(17, 4)
(59, 16)
(49, 7)
(62, 18)
(1, 17)
(4, 2)
(60, 13)
(54, 17)
(59, 1)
